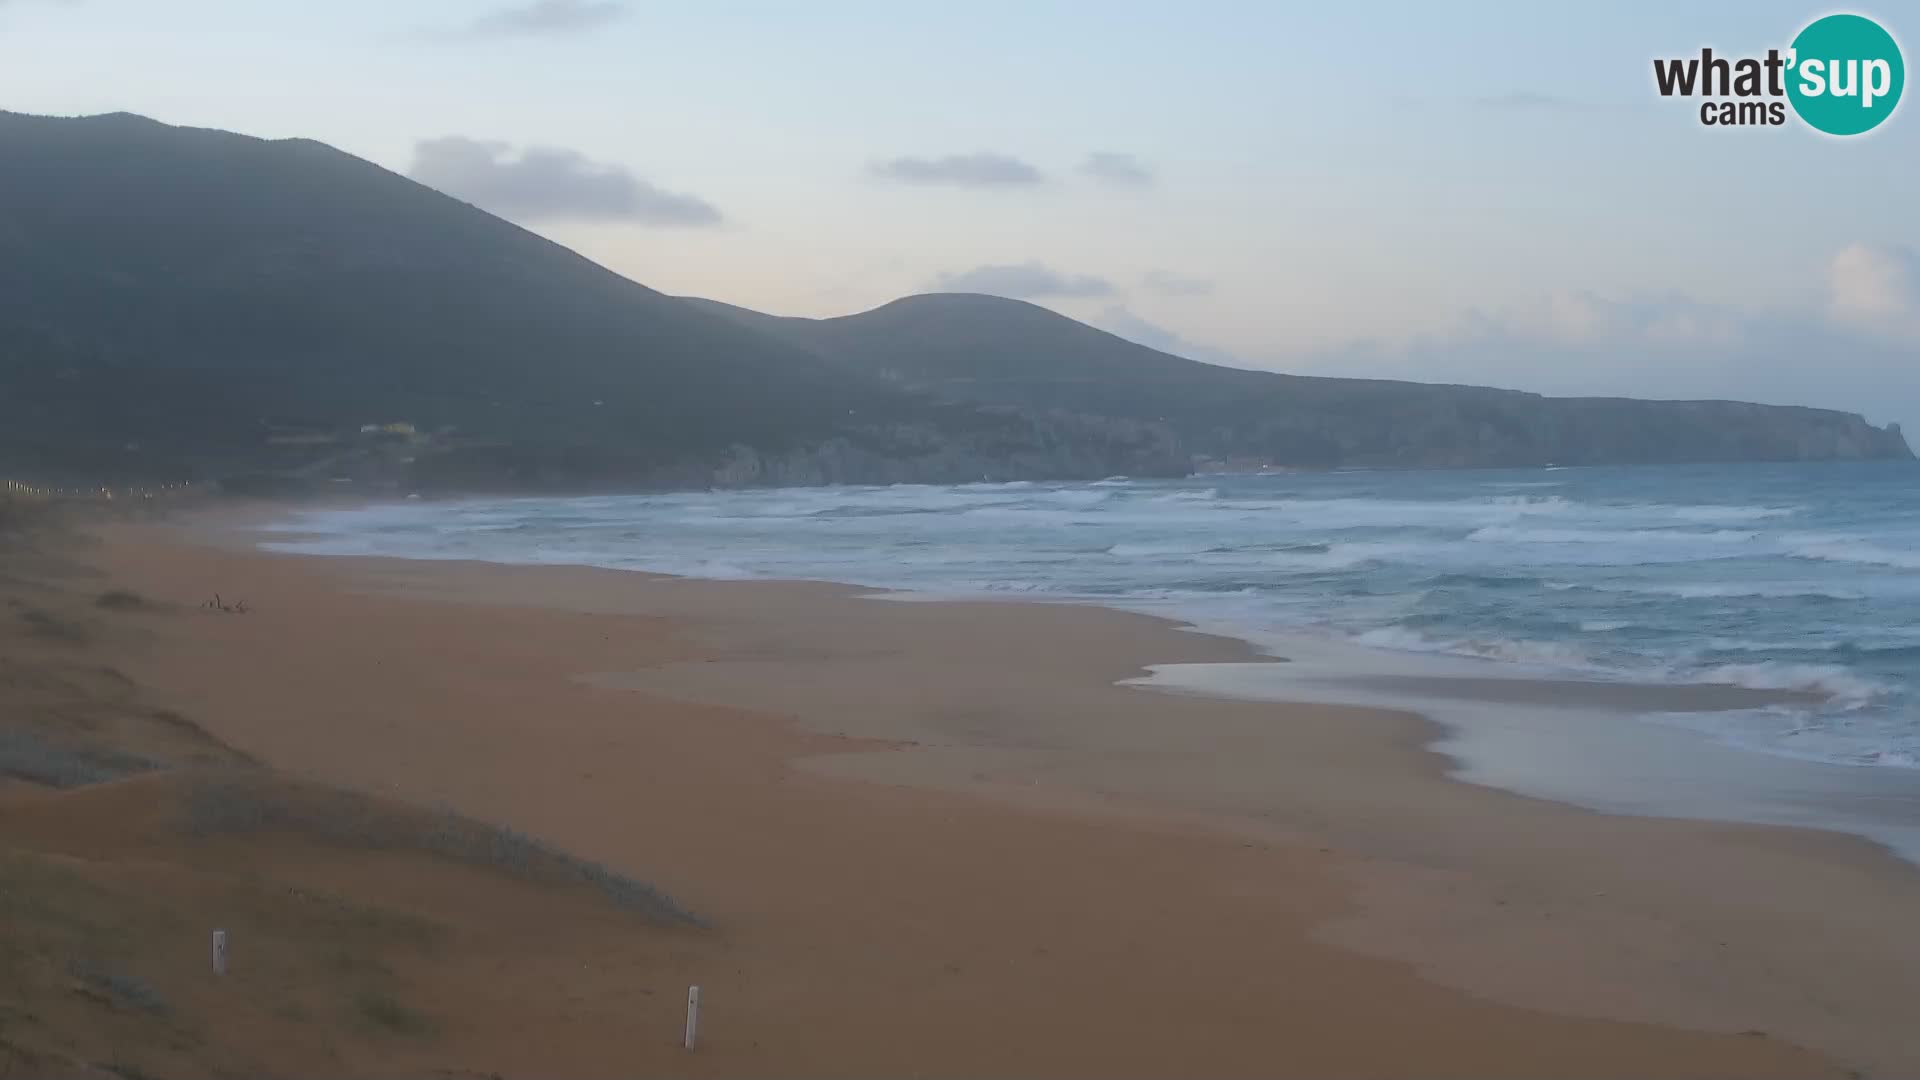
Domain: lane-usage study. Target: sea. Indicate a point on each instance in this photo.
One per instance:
(1791, 577)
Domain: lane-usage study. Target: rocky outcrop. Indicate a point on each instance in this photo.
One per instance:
(1618, 430)
(1412, 426)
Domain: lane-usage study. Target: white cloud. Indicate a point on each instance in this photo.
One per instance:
(548, 183)
(1169, 283)
(1117, 169)
(545, 17)
(1023, 281)
(1581, 319)
(1854, 344)
(979, 170)
(1876, 289)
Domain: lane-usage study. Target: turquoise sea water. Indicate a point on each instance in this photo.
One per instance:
(1795, 576)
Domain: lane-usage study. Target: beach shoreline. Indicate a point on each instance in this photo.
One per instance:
(1017, 712)
(1604, 741)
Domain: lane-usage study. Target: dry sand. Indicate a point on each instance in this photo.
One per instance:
(935, 839)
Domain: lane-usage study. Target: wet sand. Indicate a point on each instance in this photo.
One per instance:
(939, 839)
(1642, 749)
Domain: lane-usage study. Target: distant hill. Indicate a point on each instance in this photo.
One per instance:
(988, 349)
(189, 304)
(178, 301)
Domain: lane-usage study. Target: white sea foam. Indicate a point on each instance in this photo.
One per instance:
(1535, 504)
(1551, 654)
(1855, 551)
(1520, 535)
(1753, 590)
(1776, 645)
(1845, 687)
(1161, 547)
(1399, 638)
(1707, 515)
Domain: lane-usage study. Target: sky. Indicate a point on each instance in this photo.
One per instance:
(1472, 193)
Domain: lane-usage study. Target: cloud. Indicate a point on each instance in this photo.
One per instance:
(545, 17)
(546, 183)
(980, 170)
(1168, 283)
(1120, 321)
(1876, 289)
(1851, 345)
(1117, 169)
(1023, 281)
(1586, 319)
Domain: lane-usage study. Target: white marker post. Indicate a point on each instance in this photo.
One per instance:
(219, 952)
(693, 1015)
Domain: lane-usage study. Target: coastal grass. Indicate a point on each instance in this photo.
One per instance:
(92, 975)
(48, 626)
(29, 756)
(386, 1013)
(121, 990)
(123, 600)
(237, 805)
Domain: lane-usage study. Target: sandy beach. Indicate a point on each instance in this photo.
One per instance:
(940, 839)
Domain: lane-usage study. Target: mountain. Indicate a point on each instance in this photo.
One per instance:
(988, 349)
(179, 303)
(188, 304)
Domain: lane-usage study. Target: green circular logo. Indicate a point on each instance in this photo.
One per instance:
(1846, 74)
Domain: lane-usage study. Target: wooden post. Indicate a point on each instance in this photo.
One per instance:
(219, 952)
(693, 1014)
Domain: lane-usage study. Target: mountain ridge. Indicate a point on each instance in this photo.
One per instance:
(186, 303)
(198, 294)
(947, 342)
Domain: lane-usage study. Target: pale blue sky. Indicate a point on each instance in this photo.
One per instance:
(1489, 193)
